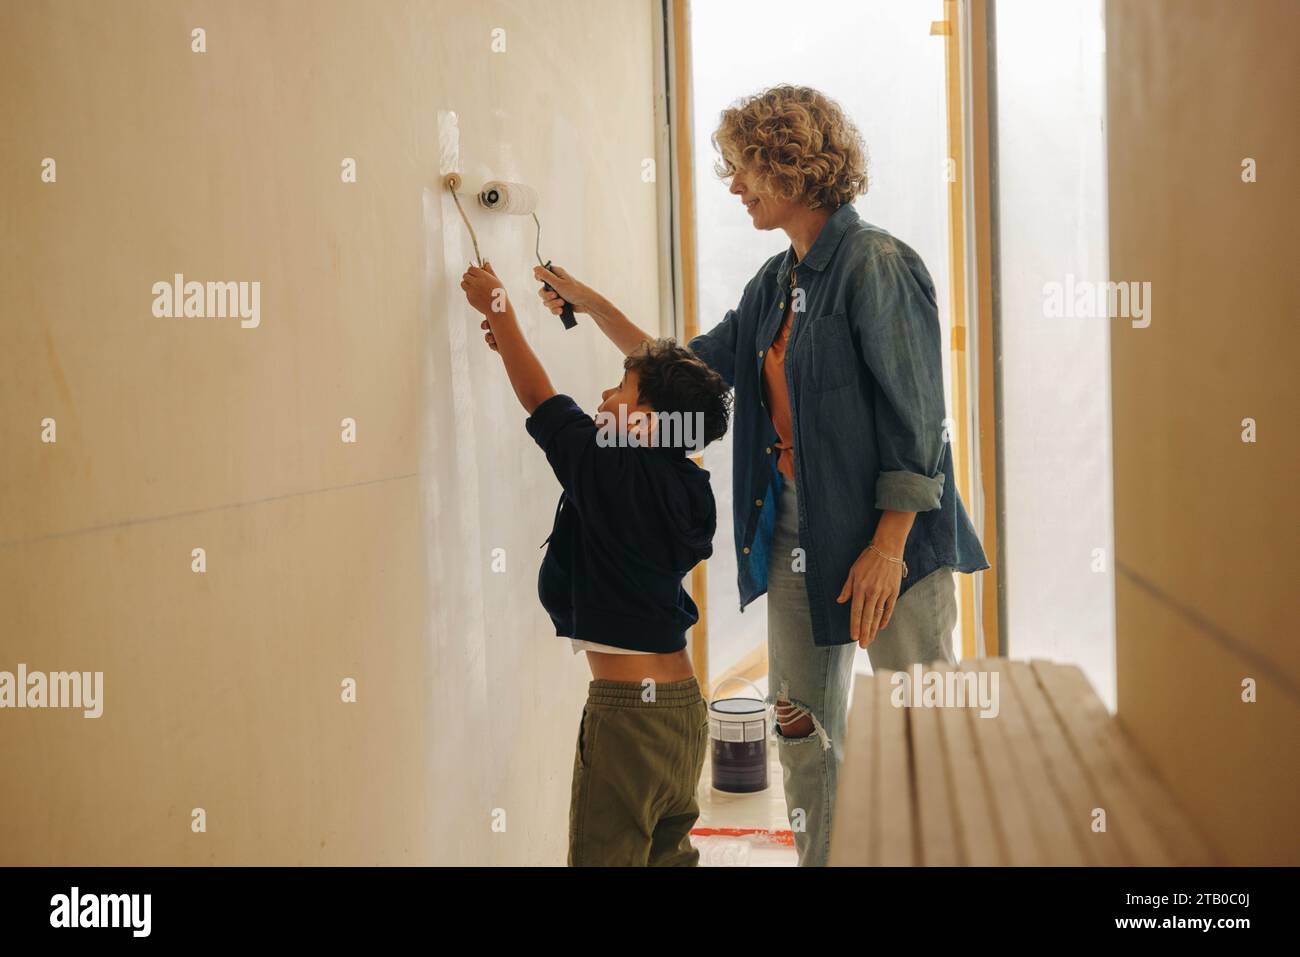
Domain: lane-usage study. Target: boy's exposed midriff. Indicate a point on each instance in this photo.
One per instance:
(675, 666)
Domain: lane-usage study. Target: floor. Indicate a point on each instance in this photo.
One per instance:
(744, 830)
(749, 830)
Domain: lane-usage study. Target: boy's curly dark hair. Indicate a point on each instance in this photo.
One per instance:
(671, 378)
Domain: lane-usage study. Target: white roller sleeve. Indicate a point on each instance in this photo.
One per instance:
(514, 198)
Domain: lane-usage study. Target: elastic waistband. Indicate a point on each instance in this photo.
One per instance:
(631, 694)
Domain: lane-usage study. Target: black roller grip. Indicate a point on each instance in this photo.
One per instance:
(566, 314)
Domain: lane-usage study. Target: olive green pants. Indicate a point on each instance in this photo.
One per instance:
(635, 774)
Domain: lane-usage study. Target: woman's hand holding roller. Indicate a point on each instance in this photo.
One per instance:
(564, 288)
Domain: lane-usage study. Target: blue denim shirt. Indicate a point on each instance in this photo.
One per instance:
(865, 375)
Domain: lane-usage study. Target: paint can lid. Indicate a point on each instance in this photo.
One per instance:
(737, 709)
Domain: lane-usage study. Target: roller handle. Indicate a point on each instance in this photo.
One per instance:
(566, 314)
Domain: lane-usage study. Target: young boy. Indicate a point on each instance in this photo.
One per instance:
(635, 516)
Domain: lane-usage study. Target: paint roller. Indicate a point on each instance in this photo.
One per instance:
(517, 199)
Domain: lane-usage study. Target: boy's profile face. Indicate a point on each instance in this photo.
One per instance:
(626, 394)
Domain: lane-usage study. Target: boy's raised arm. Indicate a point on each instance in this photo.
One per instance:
(527, 374)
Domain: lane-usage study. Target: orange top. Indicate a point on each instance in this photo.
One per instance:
(778, 396)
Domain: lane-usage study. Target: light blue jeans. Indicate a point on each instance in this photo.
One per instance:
(804, 679)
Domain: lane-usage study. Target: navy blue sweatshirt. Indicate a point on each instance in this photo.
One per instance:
(631, 522)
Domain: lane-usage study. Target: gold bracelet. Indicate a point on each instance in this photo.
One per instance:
(896, 561)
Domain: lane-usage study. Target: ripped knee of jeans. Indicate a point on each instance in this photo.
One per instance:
(794, 719)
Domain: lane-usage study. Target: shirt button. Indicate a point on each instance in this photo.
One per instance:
(782, 306)
(769, 450)
(745, 549)
(758, 502)
(760, 353)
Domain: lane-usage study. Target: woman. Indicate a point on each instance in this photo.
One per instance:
(845, 510)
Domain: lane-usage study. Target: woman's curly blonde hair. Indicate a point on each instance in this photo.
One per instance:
(798, 143)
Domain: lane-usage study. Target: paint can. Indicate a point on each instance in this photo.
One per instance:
(738, 736)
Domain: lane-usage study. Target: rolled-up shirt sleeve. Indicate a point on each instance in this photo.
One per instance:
(908, 492)
(896, 321)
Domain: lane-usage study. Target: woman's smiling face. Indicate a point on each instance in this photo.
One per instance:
(765, 211)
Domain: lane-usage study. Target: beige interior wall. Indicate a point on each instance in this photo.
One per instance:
(325, 560)
(1205, 524)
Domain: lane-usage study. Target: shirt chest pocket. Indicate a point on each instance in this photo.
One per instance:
(825, 353)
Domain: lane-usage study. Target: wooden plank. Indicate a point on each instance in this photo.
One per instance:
(856, 804)
(986, 355)
(936, 817)
(946, 786)
(976, 821)
(1149, 822)
(897, 840)
(678, 82)
(875, 819)
(1010, 804)
(680, 90)
(1087, 725)
(1076, 793)
(960, 360)
(1018, 776)
(699, 632)
(1059, 843)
